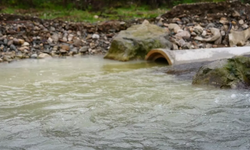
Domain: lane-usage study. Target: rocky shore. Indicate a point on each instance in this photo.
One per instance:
(193, 26)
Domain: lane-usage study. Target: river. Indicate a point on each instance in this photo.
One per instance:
(94, 104)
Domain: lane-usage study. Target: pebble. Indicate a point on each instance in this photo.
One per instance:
(34, 56)
(95, 36)
(84, 49)
(241, 22)
(25, 44)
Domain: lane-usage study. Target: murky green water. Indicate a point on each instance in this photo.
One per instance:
(95, 104)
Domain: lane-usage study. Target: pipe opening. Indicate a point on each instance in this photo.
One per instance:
(158, 56)
(161, 60)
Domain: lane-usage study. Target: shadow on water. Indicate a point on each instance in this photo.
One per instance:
(127, 66)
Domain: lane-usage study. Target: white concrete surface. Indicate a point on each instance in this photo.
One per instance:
(198, 55)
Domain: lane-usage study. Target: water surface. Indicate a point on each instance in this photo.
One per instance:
(94, 104)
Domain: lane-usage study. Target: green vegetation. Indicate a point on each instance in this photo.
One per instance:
(87, 16)
(91, 10)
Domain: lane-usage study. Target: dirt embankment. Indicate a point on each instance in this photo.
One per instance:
(202, 25)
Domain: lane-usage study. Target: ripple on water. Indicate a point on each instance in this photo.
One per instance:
(114, 105)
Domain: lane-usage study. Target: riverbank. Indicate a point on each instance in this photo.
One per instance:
(188, 27)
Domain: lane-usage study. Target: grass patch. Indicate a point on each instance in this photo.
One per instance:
(48, 11)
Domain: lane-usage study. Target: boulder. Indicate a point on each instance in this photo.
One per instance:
(137, 41)
(227, 73)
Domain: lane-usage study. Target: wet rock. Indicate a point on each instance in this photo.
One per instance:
(74, 51)
(43, 56)
(228, 73)
(7, 58)
(20, 55)
(137, 41)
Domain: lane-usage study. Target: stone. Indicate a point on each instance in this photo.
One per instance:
(50, 40)
(62, 51)
(43, 56)
(193, 34)
(52, 29)
(7, 58)
(23, 48)
(84, 49)
(198, 29)
(204, 33)
(223, 20)
(21, 41)
(176, 20)
(25, 44)
(216, 37)
(174, 27)
(236, 14)
(239, 38)
(10, 42)
(74, 50)
(175, 47)
(180, 42)
(70, 37)
(77, 42)
(16, 41)
(34, 56)
(95, 36)
(137, 41)
(183, 34)
(13, 47)
(65, 47)
(245, 26)
(20, 55)
(241, 22)
(226, 73)
(55, 37)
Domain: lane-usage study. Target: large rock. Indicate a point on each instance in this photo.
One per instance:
(228, 73)
(137, 41)
(239, 38)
